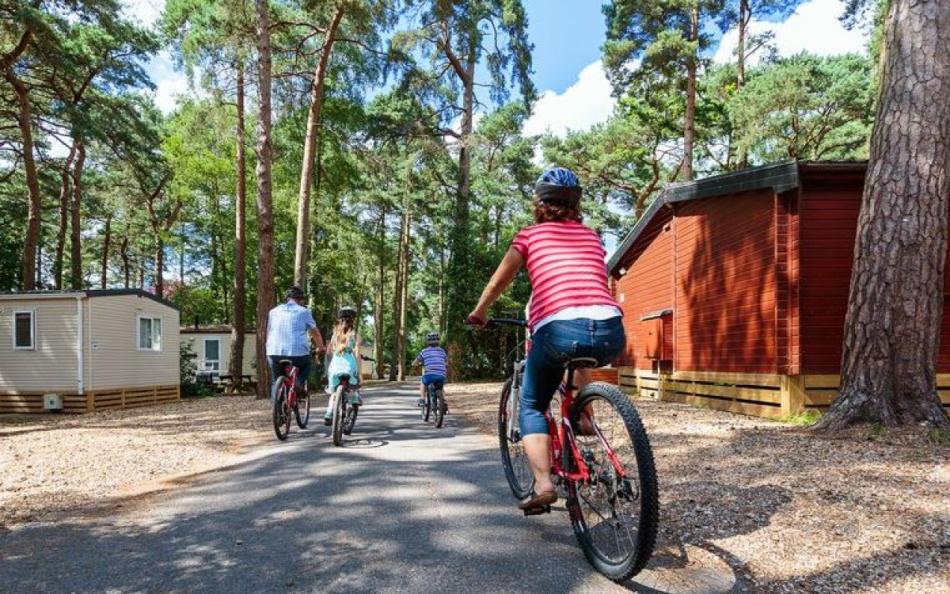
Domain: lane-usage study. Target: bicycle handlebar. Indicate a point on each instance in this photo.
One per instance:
(495, 322)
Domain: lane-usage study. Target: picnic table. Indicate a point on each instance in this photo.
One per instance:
(227, 380)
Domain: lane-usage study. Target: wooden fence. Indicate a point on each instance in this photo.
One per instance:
(93, 401)
(755, 394)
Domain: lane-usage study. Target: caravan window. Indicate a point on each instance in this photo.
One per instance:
(212, 354)
(24, 329)
(150, 333)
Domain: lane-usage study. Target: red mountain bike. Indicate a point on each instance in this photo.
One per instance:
(602, 464)
(287, 402)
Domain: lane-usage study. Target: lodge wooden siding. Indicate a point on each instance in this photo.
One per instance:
(647, 287)
(51, 366)
(725, 305)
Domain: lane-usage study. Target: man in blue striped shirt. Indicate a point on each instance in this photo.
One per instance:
(434, 362)
(290, 332)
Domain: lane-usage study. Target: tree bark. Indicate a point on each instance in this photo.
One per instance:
(405, 249)
(689, 124)
(159, 265)
(64, 196)
(75, 222)
(396, 367)
(124, 251)
(312, 139)
(34, 209)
(379, 313)
(236, 363)
(106, 242)
(740, 46)
(265, 216)
(895, 306)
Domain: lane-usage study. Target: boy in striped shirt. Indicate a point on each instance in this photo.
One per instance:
(434, 362)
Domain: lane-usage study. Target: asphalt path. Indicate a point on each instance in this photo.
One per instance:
(401, 507)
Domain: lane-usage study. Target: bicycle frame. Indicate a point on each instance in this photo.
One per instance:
(290, 381)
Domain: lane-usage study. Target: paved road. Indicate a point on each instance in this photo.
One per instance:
(403, 507)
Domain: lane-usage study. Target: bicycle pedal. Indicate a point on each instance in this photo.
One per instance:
(537, 511)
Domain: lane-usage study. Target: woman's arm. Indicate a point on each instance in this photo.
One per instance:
(504, 274)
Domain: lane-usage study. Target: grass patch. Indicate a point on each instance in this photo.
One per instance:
(876, 431)
(939, 436)
(802, 419)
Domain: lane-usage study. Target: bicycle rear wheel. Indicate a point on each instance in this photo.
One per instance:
(513, 457)
(439, 404)
(302, 410)
(338, 411)
(615, 514)
(280, 413)
(349, 418)
(426, 406)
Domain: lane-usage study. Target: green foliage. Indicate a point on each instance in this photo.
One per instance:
(802, 419)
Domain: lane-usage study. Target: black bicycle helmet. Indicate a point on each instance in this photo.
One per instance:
(295, 292)
(347, 311)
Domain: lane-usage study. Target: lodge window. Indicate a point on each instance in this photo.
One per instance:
(149, 333)
(24, 330)
(212, 360)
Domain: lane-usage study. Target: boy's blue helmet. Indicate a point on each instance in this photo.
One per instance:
(558, 186)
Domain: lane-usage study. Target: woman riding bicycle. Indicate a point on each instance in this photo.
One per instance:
(344, 350)
(572, 312)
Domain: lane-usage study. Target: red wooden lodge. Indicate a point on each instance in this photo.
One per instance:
(734, 289)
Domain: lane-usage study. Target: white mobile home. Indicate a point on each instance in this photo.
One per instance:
(96, 349)
(212, 348)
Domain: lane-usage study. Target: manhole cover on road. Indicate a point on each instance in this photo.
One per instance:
(687, 570)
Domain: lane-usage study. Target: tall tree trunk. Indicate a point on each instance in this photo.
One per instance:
(106, 242)
(689, 124)
(265, 215)
(379, 313)
(65, 194)
(442, 288)
(405, 254)
(461, 293)
(75, 223)
(895, 307)
(124, 251)
(159, 264)
(396, 367)
(312, 139)
(34, 209)
(141, 263)
(744, 17)
(236, 363)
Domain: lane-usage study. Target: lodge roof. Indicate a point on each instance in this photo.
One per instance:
(66, 293)
(780, 177)
(212, 329)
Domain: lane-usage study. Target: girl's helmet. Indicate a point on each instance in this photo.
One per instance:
(432, 338)
(346, 311)
(558, 186)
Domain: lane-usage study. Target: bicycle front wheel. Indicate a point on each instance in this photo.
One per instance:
(280, 413)
(615, 513)
(513, 457)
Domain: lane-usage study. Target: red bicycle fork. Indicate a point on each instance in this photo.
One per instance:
(563, 433)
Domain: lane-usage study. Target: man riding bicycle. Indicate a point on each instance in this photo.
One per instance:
(434, 364)
(290, 331)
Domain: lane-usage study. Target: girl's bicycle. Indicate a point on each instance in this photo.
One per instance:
(287, 402)
(602, 464)
(345, 408)
(434, 404)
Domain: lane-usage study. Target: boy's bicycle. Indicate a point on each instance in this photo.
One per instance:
(287, 402)
(434, 403)
(601, 461)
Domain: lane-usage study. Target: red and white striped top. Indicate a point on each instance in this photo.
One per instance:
(565, 262)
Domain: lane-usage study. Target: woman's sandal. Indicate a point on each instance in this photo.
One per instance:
(536, 500)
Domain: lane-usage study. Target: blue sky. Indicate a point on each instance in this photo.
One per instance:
(567, 35)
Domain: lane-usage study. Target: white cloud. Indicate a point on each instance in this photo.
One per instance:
(580, 106)
(146, 12)
(814, 27)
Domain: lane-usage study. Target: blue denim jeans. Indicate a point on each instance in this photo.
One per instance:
(551, 347)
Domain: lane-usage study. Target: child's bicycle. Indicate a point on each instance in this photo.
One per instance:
(287, 402)
(346, 407)
(434, 404)
(601, 461)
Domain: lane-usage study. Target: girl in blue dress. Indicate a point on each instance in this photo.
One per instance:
(344, 353)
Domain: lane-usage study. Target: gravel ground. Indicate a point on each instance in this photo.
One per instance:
(789, 510)
(50, 465)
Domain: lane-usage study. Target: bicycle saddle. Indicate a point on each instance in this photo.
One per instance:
(582, 363)
(343, 377)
